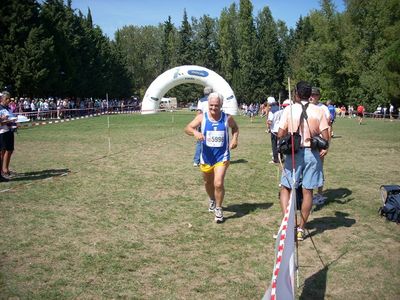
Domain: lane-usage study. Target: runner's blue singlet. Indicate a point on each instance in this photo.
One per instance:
(215, 147)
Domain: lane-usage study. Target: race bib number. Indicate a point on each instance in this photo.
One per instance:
(215, 138)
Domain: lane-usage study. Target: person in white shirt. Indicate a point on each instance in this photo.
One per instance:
(27, 105)
(6, 135)
(308, 168)
(391, 111)
(3, 128)
(378, 111)
(273, 124)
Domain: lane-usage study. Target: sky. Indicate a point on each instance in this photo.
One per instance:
(111, 15)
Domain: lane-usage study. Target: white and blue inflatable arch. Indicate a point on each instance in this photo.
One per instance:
(188, 74)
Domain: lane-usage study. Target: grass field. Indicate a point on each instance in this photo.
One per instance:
(82, 222)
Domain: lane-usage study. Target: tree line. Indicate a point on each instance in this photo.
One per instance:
(48, 48)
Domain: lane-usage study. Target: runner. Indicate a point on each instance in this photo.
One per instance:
(360, 113)
(215, 149)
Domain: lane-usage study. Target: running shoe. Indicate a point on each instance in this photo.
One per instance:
(5, 176)
(318, 199)
(3, 179)
(315, 199)
(211, 205)
(10, 174)
(219, 217)
(300, 234)
(323, 199)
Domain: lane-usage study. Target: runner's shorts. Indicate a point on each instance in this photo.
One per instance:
(209, 169)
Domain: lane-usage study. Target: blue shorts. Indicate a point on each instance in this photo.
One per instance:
(308, 170)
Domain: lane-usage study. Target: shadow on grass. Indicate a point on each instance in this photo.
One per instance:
(38, 175)
(241, 210)
(329, 223)
(340, 196)
(337, 137)
(239, 161)
(315, 285)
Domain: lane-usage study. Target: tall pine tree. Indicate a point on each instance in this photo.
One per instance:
(267, 56)
(246, 52)
(228, 45)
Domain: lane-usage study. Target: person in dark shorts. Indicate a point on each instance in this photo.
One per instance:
(7, 135)
(360, 113)
(3, 127)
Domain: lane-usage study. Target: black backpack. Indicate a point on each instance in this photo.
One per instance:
(391, 202)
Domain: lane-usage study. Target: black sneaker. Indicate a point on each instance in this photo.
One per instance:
(4, 179)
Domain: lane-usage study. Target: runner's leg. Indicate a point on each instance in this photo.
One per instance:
(219, 177)
(209, 184)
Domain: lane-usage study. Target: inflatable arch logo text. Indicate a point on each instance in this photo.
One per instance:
(188, 74)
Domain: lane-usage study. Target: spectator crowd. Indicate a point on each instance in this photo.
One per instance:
(59, 108)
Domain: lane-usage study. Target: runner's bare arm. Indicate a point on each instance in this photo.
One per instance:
(235, 132)
(191, 128)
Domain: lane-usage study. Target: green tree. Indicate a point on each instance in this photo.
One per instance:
(168, 45)
(283, 56)
(371, 39)
(205, 42)
(324, 53)
(85, 59)
(185, 45)
(299, 39)
(141, 49)
(246, 52)
(228, 45)
(390, 58)
(59, 23)
(186, 56)
(267, 56)
(32, 64)
(19, 20)
(318, 52)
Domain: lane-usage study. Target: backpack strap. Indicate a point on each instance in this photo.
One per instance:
(304, 113)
